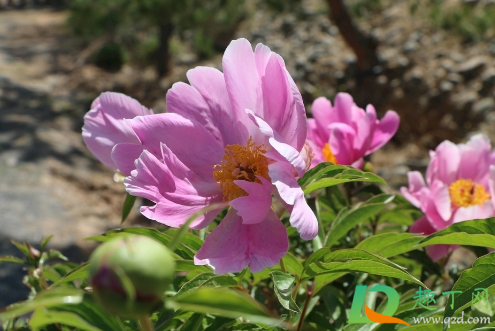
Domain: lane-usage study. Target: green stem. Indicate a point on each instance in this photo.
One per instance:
(301, 320)
(282, 265)
(145, 323)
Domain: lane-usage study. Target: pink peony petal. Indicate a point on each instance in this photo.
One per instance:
(322, 110)
(474, 212)
(474, 158)
(416, 184)
(104, 125)
(175, 189)
(445, 164)
(343, 108)
(191, 142)
(254, 207)
(241, 77)
(441, 198)
(341, 143)
(365, 127)
(232, 246)
(302, 217)
(384, 130)
(435, 252)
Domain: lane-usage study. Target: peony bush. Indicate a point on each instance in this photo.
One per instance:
(271, 223)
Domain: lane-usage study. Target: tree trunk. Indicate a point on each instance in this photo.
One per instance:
(163, 53)
(363, 46)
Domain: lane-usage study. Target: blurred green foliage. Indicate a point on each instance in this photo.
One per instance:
(474, 22)
(143, 28)
(110, 57)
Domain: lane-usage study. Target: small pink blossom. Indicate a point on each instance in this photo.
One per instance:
(344, 133)
(235, 137)
(104, 125)
(460, 186)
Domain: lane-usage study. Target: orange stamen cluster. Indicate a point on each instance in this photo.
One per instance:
(465, 193)
(240, 163)
(328, 155)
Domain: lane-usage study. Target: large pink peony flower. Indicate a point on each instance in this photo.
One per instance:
(234, 137)
(460, 184)
(104, 125)
(345, 133)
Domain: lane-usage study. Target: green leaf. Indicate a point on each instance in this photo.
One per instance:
(127, 207)
(349, 217)
(284, 283)
(44, 242)
(355, 260)
(409, 315)
(45, 299)
(44, 317)
(78, 273)
(206, 279)
(226, 303)
(481, 275)
(292, 264)
(188, 265)
(324, 280)
(390, 244)
(10, 258)
(328, 174)
(471, 233)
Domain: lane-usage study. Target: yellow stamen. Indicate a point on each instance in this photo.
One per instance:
(240, 163)
(465, 193)
(328, 155)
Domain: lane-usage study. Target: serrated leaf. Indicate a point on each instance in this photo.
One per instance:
(226, 303)
(355, 260)
(283, 285)
(390, 244)
(349, 217)
(471, 233)
(127, 207)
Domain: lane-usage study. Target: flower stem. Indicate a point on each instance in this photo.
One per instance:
(145, 323)
(282, 265)
(308, 298)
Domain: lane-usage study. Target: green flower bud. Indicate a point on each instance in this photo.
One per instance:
(130, 274)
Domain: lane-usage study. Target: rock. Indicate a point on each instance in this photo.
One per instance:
(454, 78)
(446, 86)
(410, 46)
(472, 67)
(488, 78)
(484, 105)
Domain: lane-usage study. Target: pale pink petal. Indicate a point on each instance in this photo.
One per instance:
(279, 105)
(314, 135)
(491, 184)
(218, 116)
(104, 125)
(428, 207)
(436, 252)
(124, 156)
(189, 141)
(299, 112)
(254, 207)
(241, 77)
(302, 217)
(441, 198)
(232, 246)
(307, 154)
(445, 164)
(416, 184)
(365, 127)
(384, 130)
(474, 212)
(341, 143)
(358, 164)
(322, 111)
(174, 189)
(343, 108)
(280, 145)
(262, 55)
(475, 158)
